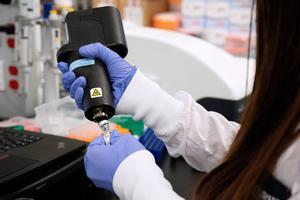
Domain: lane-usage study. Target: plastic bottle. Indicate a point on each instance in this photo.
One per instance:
(193, 15)
(239, 27)
(216, 24)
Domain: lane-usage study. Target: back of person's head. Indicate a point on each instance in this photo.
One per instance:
(270, 121)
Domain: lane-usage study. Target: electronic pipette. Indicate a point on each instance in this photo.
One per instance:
(102, 25)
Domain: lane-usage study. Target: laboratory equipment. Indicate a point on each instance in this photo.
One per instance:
(102, 25)
(28, 46)
(31, 32)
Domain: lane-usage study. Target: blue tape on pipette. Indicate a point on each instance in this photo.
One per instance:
(81, 63)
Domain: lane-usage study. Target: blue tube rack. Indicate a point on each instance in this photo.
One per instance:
(153, 144)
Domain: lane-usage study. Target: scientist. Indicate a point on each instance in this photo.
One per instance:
(239, 159)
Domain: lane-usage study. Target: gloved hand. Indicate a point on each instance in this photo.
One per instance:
(101, 161)
(120, 72)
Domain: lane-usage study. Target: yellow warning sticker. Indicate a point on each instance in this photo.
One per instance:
(96, 92)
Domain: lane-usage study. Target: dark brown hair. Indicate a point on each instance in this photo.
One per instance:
(269, 124)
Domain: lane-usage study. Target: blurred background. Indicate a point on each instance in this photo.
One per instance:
(225, 23)
(204, 43)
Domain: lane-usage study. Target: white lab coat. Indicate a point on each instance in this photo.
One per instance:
(202, 138)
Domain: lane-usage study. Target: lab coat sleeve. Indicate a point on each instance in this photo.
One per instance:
(296, 189)
(202, 138)
(138, 177)
(295, 196)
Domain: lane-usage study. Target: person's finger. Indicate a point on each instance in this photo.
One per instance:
(98, 141)
(63, 67)
(67, 79)
(79, 97)
(97, 50)
(114, 136)
(93, 50)
(79, 82)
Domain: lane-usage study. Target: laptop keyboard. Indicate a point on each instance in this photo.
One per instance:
(13, 139)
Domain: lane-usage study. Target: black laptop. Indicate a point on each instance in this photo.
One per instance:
(27, 158)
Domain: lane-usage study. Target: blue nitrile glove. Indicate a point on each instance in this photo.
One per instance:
(120, 72)
(101, 161)
(71, 84)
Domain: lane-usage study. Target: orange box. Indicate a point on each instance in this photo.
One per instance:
(168, 20)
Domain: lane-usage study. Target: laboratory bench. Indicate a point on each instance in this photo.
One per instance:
(70, 182)
(183, 178)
